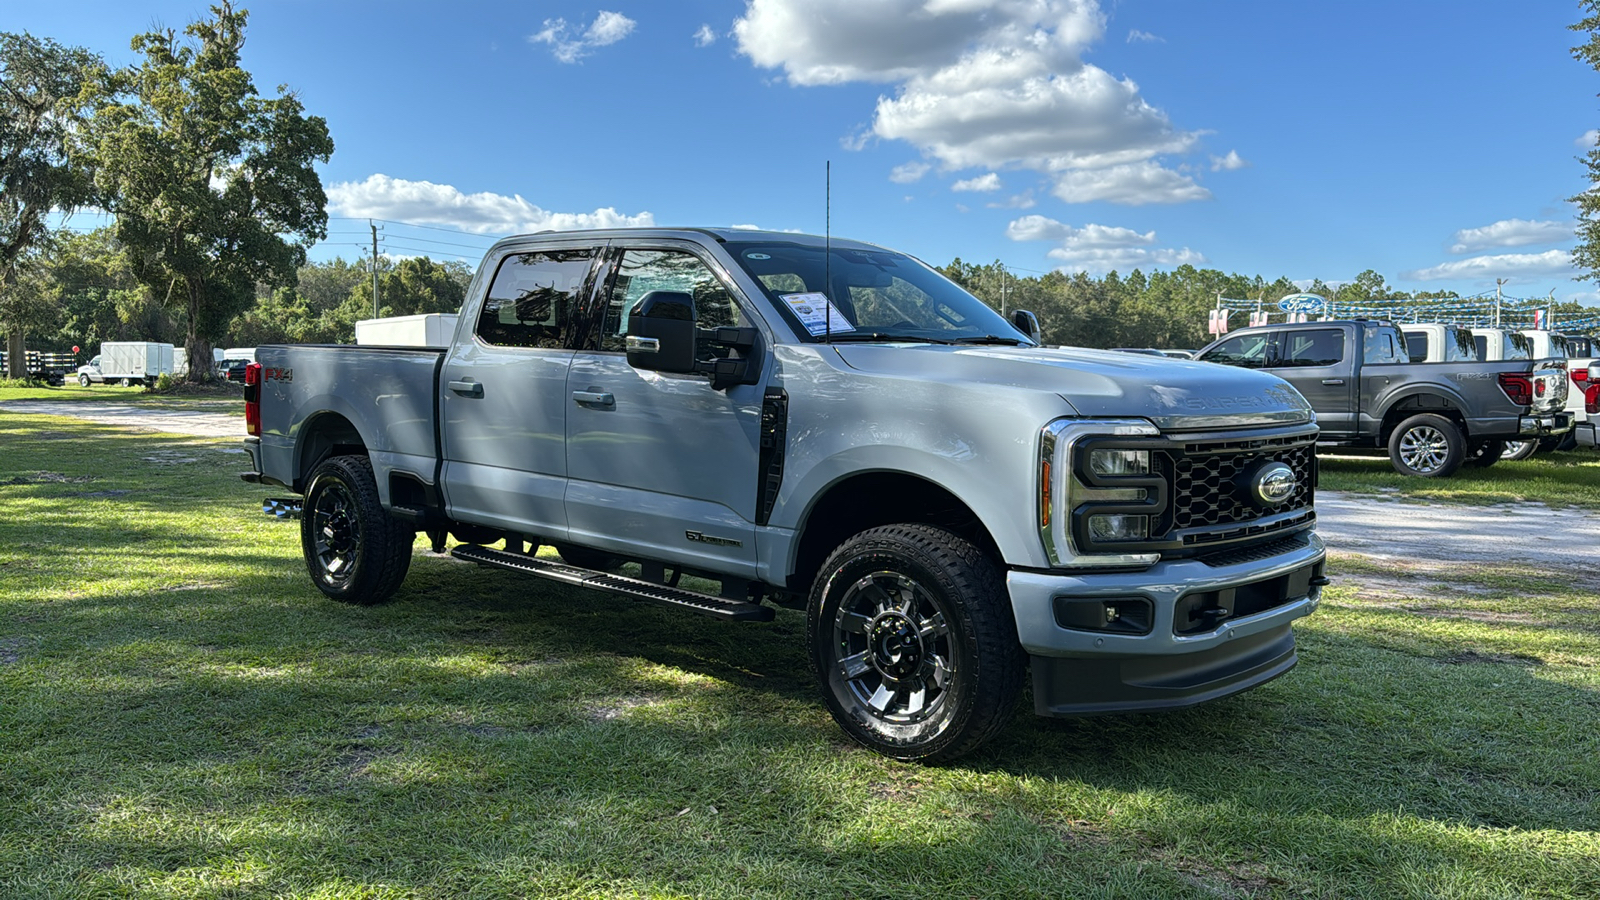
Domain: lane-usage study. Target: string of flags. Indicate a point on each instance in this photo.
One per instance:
(1476, 311)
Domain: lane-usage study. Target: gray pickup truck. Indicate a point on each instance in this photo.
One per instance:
(829, 426)
(1432, 416)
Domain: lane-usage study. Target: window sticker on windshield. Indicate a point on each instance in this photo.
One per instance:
(817, 314)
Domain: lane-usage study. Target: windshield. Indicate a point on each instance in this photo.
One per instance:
(875, 295)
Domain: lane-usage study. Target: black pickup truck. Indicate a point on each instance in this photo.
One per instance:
(1366, 391)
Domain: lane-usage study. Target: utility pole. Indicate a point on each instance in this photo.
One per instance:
(1498, 283)
(1002, 289)
(375, 313)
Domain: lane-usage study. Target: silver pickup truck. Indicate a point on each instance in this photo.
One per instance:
(834, 427)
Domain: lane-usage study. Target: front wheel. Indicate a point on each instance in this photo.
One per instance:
(1520, 449)
(353, 549)
(1427, 445)
(913, 643)
(83, 381)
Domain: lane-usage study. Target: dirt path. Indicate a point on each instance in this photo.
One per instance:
(171, 421)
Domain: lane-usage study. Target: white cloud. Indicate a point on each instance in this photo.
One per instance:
(1229, 163)
(1589, 140)
(607, 28)
(423, 202)
(1551, 263)
(705, 37)
(1023, 200)
(1098, 249)
(1135, 35)
(983, 183)
(978, 83)
(1511, 233)
(1131, 185)
(906, 173)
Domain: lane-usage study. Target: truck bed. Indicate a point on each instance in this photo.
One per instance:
(388, 395)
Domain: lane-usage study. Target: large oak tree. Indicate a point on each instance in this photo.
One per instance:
(40, 82)
(213, 185)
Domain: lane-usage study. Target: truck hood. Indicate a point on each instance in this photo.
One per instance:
(1175, 394)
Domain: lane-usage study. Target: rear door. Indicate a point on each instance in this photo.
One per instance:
(503, 393)
(662, 465)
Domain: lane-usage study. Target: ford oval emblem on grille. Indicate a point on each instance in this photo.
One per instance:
(1273, 483)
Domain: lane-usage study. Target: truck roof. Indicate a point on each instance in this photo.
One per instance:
(720, 235)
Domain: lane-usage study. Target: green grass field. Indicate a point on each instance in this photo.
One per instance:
(1556, 479)
(183, 715)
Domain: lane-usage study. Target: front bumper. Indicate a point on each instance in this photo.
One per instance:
(1083, 672)
(1545, 424)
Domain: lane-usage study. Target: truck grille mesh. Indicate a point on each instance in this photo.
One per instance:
(1205, 492)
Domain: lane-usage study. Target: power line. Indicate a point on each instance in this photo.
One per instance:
(488, 236)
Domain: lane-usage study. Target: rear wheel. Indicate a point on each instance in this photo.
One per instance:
(913, 643)
(1520, 449)
(1427, 445)
(353, 549)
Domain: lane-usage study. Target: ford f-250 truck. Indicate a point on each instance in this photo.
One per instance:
(1432, 417)
(831, 426)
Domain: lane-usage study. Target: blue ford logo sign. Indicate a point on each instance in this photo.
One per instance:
(1273, 484)
(1303, 303)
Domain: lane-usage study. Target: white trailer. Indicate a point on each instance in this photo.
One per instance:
(425, 330)
(128, 362)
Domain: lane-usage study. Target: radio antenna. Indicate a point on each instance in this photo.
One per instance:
(827, 252)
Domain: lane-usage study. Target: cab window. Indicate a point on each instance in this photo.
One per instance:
(1379, 346)
(533, 298)
(1252, 351)
(1316, 347)
(1517, 346)
(1461, 346)
(1417, 345)
(639, 272)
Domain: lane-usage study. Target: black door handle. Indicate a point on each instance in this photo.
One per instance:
(468, 387)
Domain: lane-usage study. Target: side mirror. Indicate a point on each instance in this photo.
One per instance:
(1027, 323)
(661, 333)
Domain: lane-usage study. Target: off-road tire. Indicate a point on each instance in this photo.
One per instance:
(355, 551)
(584, 558)
(1427, 446)
(913, 580)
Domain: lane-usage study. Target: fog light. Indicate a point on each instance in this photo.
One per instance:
(1119, 528)
(1119, 462)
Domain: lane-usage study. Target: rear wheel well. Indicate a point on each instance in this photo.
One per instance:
(872, 499)
(1420, 403)
(324, 435)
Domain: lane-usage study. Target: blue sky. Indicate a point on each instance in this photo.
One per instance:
(1432, 141)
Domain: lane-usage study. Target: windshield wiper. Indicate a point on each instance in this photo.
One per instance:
(884, 336)
(991, 339)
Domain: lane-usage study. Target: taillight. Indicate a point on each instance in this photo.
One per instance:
(1518, 386)
(252, 399)
(1580, 375)
(1591, 399)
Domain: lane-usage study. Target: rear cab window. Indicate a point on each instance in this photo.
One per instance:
(533, 300)
(1312, 348)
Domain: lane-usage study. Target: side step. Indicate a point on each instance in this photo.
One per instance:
(705, 604)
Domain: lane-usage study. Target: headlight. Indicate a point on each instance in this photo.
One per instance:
(1119, 462)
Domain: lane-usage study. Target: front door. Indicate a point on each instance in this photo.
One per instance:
(1319, 365)
(503, 395)
(659, 465)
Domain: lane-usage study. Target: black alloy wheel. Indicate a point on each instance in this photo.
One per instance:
(914, 644)
(354, 550)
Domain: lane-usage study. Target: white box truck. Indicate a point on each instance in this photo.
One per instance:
(425, 330)
(128, 362)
